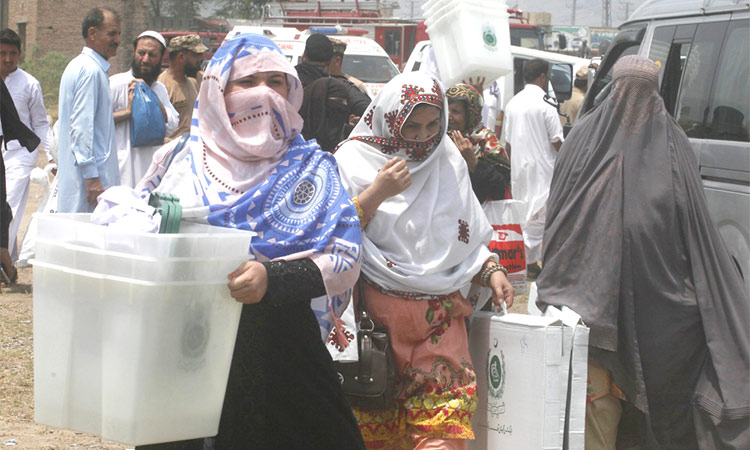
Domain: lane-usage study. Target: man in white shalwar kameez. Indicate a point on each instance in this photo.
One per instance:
(149, 48)
(533, 135)
(27, 96)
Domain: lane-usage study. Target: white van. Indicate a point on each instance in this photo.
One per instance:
(701, 47)
(364, 58)
(498, 94)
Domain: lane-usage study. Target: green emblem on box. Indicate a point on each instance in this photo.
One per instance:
(489, 37)
(495, 374)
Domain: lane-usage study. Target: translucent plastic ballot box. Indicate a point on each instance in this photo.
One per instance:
(133, 333)
(531, 376)
(470, 39)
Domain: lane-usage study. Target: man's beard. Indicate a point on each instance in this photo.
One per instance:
(148, 76)
(191, 70)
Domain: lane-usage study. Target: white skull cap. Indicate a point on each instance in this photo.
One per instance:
(154, 35)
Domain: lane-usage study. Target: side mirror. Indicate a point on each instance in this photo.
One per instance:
(561, 79)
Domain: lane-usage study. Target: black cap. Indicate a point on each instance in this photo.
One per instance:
(318, 48)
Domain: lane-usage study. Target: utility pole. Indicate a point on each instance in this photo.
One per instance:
(627, 10)
(4, 13)
(606, 13)
(573, 20)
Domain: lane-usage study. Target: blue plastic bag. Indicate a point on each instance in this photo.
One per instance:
(147, 125)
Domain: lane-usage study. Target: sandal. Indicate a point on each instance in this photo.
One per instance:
(6, 278)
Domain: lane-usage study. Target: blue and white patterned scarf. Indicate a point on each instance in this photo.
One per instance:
(293, 198)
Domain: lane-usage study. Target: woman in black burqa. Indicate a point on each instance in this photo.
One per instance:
(630, 246)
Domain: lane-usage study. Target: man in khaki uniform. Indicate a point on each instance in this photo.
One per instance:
(358, 98)
(573, 105)
(179, 78)
(335, 66)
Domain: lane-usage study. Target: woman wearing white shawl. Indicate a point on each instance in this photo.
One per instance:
(425, 237)
(246, 166)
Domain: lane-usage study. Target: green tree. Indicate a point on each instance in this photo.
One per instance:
(158, 8)
(187, 8)
(241, 9)
(48, 69)
(176, 8)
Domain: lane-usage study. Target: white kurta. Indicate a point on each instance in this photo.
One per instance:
(27, 97)
(135, 161)
(493, 98)
(531, 126)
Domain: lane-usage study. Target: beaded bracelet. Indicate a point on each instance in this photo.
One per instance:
(484, 276)
(360, 213)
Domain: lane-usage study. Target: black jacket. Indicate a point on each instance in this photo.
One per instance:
(358, 100)
(12, 128)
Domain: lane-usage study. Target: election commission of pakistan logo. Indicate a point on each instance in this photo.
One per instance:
(488, 35)
(495, 374)
(495, 380)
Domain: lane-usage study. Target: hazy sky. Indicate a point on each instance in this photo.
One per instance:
(588, 12)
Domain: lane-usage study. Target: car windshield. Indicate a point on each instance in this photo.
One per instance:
(370, 68)
(527, 38)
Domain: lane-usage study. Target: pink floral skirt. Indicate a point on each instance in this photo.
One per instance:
(437, 390)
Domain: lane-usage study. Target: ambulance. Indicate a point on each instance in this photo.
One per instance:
(364, 58)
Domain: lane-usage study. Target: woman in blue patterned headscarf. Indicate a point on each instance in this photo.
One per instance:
(246, 166)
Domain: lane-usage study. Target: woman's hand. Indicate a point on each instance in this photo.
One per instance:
(478, 84)
(502, 290)
(392, 179)
(465, 147)
(249, 283)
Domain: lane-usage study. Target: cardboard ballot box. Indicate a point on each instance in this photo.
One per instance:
(133, 333)
(531, 374)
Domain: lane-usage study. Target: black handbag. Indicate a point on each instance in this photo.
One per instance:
(370, 382)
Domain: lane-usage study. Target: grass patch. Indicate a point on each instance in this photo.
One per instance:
(48, 69)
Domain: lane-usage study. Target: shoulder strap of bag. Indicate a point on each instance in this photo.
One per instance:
(362, 304)
(364, 338)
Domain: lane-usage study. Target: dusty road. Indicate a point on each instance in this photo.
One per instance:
(17, 427)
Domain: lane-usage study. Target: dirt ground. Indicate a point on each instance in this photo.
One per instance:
(17, 426)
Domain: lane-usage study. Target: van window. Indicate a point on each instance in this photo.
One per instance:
(693, 104)
(670, 47)
(660, 45)
(527, 38)
(730, 102)
(678, 53)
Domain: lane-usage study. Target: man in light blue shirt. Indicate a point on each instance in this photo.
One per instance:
(86, 144)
